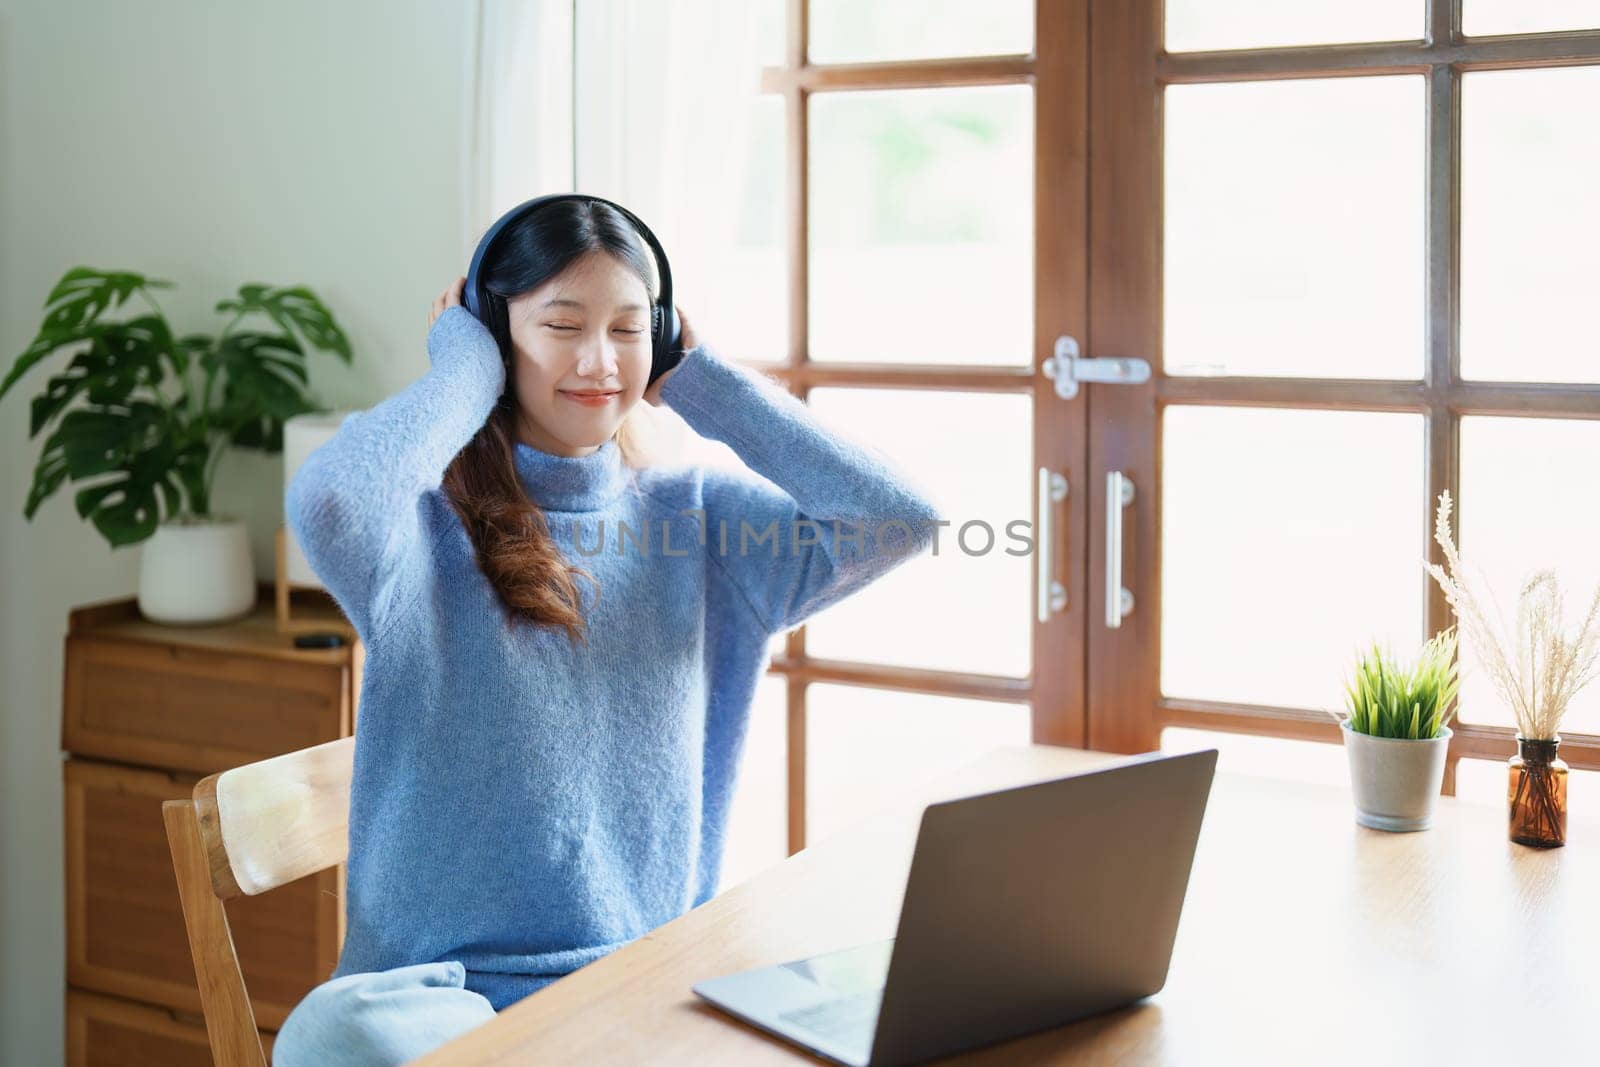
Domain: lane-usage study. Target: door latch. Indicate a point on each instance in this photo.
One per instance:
(1066, 368)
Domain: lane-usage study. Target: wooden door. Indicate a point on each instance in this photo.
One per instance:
(1356, 244)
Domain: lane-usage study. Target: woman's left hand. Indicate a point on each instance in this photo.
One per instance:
(686, 341)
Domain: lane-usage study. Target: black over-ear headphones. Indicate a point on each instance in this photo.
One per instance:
(665, 330)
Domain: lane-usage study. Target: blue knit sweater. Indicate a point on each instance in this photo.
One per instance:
(522, 804)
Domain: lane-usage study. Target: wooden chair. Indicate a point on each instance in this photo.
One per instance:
(245, 831)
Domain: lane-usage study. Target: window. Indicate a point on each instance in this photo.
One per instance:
(1344, 249)
(911, 153)
(1356, 242)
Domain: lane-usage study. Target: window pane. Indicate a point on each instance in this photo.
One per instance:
(742, 285)
(1527, 502)
(963, 605)
(1294, 228)
(921, 240)
(1205, 25)
(772, 31)
(1481, 17)
(864, 31)
(1290, 539)
(1264, 757)
(866, 748)
(1530, 225)
(758, 820)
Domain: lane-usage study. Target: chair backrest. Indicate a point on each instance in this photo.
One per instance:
(245, 831)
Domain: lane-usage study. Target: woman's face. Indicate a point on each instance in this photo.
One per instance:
(587, 330)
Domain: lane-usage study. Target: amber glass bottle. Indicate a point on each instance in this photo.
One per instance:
(1537, 792)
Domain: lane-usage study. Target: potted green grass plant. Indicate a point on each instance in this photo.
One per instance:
(1395, 733)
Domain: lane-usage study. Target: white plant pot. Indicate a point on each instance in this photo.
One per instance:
(1395, 781)
(197, 570)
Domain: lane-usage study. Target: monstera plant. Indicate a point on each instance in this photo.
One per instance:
(159, 410)
(140, 416)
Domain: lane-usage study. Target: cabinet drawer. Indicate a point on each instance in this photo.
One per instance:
(125, 931)
(107, 1032)
(196, 709)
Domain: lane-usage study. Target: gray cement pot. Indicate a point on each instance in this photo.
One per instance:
(1396, 781)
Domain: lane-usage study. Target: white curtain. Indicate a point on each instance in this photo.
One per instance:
(518, 128)
(651, 108)
(665, 90)
(652, 104)
(666, 93)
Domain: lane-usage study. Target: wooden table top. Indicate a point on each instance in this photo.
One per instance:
(1304, 939)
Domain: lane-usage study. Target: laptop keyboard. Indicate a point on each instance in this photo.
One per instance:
(849, 1020)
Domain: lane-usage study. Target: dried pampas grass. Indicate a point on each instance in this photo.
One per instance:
(1539, 671)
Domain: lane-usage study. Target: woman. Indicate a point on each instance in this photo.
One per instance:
(562, 645)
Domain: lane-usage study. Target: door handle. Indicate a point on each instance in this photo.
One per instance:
(1052, 592)
(1119, 601)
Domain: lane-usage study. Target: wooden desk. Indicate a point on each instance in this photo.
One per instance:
(1305, 939)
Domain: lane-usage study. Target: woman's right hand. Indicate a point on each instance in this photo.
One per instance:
(451, 297)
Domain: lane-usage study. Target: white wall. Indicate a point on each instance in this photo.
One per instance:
(211, 142)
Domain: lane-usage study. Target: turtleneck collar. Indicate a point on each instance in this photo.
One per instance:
(571, 483)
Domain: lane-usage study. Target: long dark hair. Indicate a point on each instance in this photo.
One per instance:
(508, 530)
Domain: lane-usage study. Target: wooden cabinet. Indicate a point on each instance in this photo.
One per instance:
(110, 1032)
(194, 709)
(147, 711)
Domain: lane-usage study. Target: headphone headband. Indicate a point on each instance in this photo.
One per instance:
(665, 329)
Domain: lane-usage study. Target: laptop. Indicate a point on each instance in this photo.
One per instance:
(1024, 909)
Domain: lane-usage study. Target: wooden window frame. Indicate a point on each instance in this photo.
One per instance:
(1129, 72)
(1093, 84)
(1054, 687)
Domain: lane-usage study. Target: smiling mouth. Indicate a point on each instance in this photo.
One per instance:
(604, 392)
